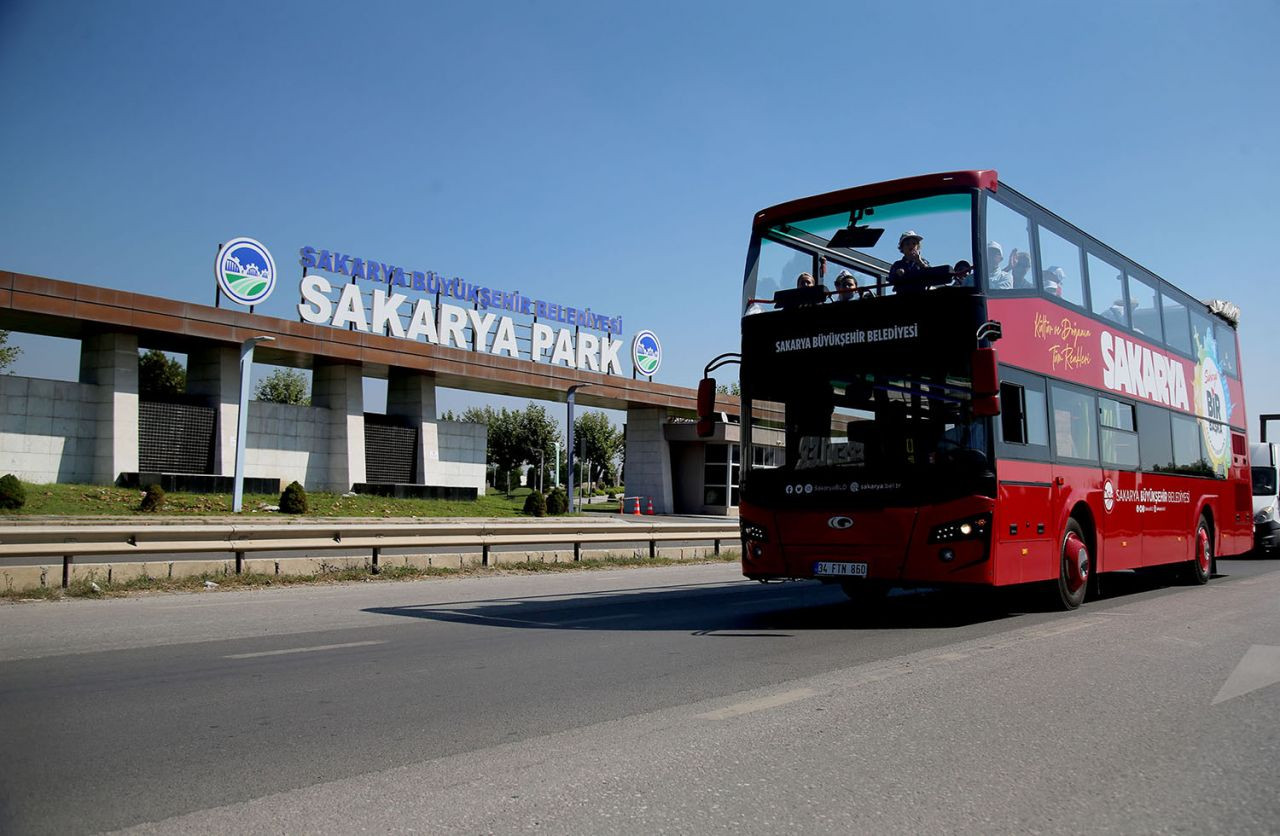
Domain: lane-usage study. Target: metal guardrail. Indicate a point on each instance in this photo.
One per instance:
(136, 543)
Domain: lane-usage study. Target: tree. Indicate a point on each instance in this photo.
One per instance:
(284, 386)
(515, 437)
(160, 376)
(601, 442)
(538, 434)
(8, 353)
(733, 388)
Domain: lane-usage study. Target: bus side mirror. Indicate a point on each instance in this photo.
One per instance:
(986, 382)
(706, 406)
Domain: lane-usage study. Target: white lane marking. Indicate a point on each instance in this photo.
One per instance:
(301, 650)
(1259, 668)
(759, 704)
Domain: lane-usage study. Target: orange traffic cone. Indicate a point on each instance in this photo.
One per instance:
(651, 506)
(636, 512)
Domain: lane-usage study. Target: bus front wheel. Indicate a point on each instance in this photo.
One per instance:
(1074, 568)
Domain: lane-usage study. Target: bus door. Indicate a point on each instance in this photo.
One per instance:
(1073, 422)
(1171, 447)
(1025, 549)
(1119, 526)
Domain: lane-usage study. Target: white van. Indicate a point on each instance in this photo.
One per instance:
(1265, 461)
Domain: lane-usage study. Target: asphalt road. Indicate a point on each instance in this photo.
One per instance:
(666, 699)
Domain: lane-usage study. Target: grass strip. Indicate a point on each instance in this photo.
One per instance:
(107, 500)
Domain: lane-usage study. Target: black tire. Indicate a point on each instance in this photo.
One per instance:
(1075, 567)
(1200, 569)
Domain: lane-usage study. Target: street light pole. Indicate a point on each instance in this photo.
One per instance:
(242, 424)
(573, 390)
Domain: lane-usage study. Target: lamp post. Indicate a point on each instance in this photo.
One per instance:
(246, 366)
(573, 390)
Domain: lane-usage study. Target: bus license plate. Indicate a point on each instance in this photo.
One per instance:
(854, 570)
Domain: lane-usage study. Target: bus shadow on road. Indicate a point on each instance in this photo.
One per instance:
(738, 610)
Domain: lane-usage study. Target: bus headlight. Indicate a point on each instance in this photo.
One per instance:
(751, 531)
(969, 528)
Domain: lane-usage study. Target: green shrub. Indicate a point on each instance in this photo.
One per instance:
(557, 502)
(12, 493)
(293, 500)
(535, 504)
(153, 499)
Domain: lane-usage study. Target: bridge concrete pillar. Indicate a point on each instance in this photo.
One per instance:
(411, 395)
(110, 361)
(213, 373)
(647, 461)
(339, 388)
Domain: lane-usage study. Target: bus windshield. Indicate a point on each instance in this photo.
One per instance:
(865, 243)
(872, 431)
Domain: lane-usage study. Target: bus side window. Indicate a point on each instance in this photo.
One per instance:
(1155, 439)
(1118, 439)
(1013, 413)
(1075, 425)
(1146, 312)
(1226, 338)
(1177, 327)
(1010, 233)
(1024, 431)
(1188, 452)
(1060, 268)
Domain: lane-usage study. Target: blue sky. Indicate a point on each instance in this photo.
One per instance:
(612, 155)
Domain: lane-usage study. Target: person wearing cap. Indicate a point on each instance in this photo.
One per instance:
(1019, 267)
(1116, 313)
(1053, 279)
(847, 287)
(998, 278)
(911, 262)
(902, 273)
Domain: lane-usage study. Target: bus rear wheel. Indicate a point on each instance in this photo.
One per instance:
(1201, 568)
(1074, 568)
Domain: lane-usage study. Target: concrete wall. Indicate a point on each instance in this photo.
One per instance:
(290, 443)
(293, 443)
(461, 462)
(48, 429)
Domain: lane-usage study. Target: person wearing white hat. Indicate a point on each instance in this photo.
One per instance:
(911, 262)
(908, 274)
(998, 278)
(846, 287)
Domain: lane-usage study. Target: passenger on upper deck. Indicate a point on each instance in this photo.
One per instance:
(1020, 267)
(1053, 279)
(1115, 313)
(805, 280)
(847, 287)
(907, 274)
(998, 278)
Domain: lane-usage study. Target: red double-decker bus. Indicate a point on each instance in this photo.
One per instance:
(992, 397)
